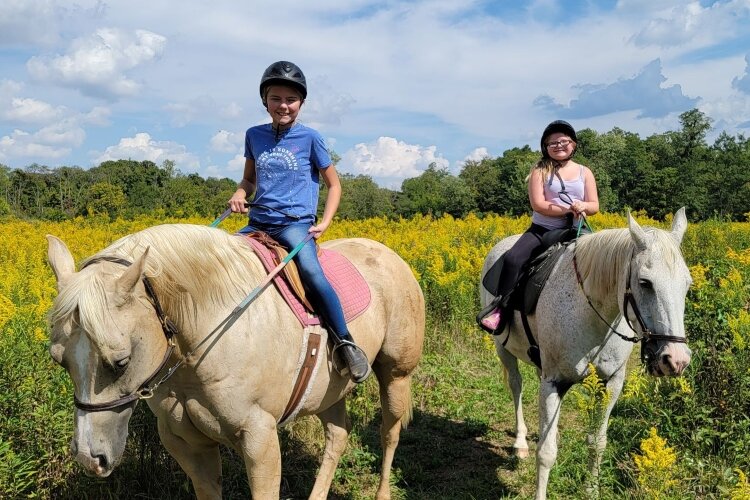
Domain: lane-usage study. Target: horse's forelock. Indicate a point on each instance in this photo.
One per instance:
(670, 248)
(86, 296)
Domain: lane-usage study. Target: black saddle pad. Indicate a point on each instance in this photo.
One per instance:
(525, 295)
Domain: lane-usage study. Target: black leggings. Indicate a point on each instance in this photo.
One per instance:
(518, 255)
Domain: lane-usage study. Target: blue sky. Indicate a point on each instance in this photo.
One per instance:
(393, 85)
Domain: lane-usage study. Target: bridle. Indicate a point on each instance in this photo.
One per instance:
(647, 335)
(145, 390)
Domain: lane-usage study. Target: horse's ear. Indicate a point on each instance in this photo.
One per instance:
(679, 225)
(60, 260)
(637, 233)
(130, 278)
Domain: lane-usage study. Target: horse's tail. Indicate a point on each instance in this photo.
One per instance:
(409, 413)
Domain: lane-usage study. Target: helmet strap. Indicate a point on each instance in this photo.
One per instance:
(278, 130)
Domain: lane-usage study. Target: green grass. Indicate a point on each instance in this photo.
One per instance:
(459, 444)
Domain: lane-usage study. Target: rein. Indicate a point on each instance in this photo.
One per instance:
(647, 335)
(147, 389)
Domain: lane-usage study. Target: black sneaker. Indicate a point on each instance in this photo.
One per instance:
(356, 360)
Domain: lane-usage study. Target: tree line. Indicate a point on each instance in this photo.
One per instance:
(655, 175)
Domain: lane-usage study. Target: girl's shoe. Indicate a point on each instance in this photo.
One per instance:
(492, 320)
(489, 317)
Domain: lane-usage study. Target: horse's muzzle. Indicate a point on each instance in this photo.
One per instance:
(98, 465)
(669, 359)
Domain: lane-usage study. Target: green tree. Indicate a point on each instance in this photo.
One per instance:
(727, 178)
(5, 185)
(105, 198)
(431, 193)
(141, 182)
(361, 198)
(499, 184)
(611, 160)
(183, 195)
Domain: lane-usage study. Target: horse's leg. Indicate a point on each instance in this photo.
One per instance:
(336, 432)
(396, 407)
(259, 444)
(550, 398)
(598, 440)
(199, 459)
(515, 382)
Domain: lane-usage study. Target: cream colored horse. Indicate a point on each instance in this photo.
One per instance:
(587, 294)
(234, 388)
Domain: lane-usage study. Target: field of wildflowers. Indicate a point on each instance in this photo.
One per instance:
(668, 438)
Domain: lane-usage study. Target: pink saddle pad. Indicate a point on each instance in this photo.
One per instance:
(351, 288)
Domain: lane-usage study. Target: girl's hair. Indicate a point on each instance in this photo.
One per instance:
(546, 165)
(267, 88)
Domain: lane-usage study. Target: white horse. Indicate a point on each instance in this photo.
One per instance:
(111, 328)
(602, 284)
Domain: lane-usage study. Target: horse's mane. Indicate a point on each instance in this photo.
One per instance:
(187, 265)
(601, 256)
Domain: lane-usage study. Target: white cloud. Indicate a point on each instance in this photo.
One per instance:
(142, 147)
(27, 22)
(236, 164)
(226, 142)
(477, 155)
(232, 170)
(231, 110)
(691, 23)
(9, 88)
(326, 105)
(21, 144)
(196, 109)
(65, 133)
(28, 110)
(99, 115)
(96, 64)
(390, 161)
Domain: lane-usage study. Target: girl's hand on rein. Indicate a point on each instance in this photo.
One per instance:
(318, 230)
(237, 204)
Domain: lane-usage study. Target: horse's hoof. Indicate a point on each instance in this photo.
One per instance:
(522, 453)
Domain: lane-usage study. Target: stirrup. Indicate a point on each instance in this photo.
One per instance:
(346, 370)
(487, 310)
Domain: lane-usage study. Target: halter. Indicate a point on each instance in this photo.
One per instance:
(647, 335)
(145, 390)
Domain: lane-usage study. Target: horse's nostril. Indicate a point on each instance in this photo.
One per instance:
(102, 461)
(666, 360)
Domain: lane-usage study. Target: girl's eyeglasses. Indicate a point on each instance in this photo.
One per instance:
(559, 144)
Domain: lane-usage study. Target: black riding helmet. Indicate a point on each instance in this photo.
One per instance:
(283, 73)
(557, 126)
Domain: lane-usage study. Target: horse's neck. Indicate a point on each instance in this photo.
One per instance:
(198, 307)
(602, 287)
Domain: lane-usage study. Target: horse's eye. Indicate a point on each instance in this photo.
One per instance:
(646, 284)
(121, 364)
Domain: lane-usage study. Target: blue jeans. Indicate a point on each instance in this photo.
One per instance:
(318, 289)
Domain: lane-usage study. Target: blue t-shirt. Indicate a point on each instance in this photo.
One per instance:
(286, 172)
